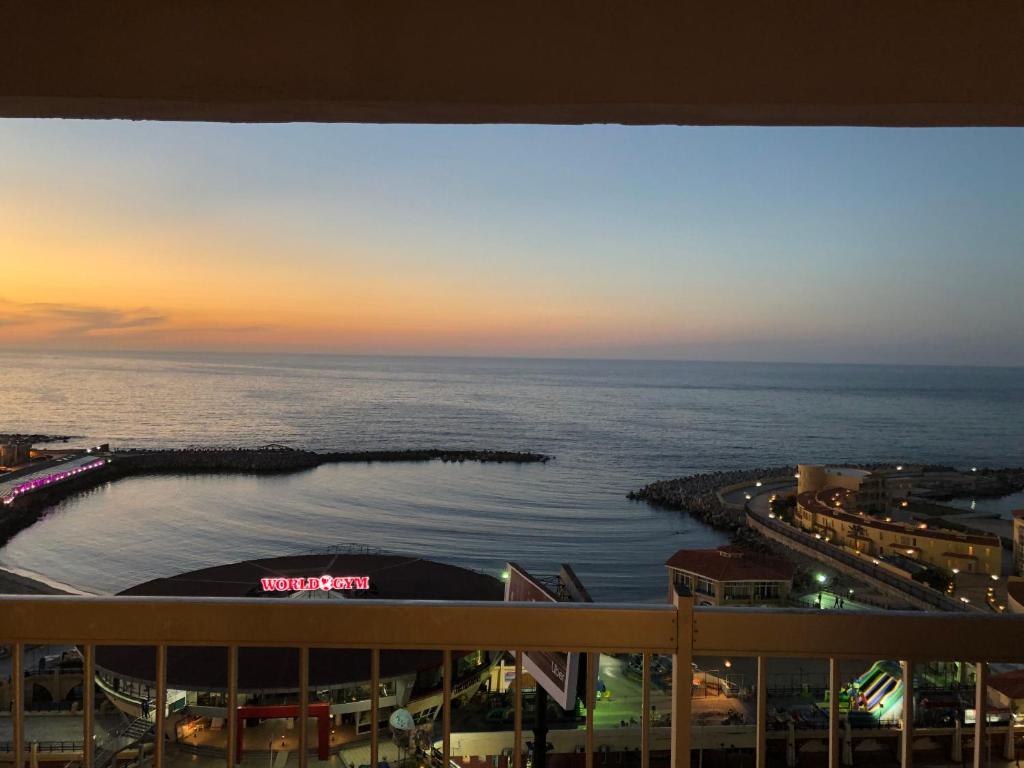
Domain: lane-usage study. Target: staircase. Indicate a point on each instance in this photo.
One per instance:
(134, 733)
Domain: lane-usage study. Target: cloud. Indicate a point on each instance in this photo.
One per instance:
(54, 322)
(75, 320)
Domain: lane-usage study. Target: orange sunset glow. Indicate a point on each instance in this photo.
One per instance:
(573, 242)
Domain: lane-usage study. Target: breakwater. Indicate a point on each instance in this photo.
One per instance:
(15, 437)
(274, 459)
(698, 494)
(988, 483)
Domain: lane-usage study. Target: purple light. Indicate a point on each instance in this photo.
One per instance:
(57, 477)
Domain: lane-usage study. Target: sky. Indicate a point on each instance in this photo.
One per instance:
(755, 244)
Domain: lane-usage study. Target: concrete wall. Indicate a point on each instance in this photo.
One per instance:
(814, 477)
(875, 62)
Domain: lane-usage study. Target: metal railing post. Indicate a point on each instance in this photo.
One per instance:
(88, 702)
(645, 718)
(980, 712)
(591, 675)
(682, 677)
(834, 745)
(303, 706)
(907, 743)
(232, 706)
(374, 706)
(18, 703)
(446, 711)
(161, 706)
(761, 750)
(517, 747)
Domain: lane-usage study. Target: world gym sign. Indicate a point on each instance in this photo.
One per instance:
(307, 583)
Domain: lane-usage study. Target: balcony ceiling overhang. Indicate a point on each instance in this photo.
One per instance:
(806, 62)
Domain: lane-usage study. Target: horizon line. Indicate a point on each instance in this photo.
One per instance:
(450, 356)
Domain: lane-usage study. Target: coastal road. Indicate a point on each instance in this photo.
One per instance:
(759, 495)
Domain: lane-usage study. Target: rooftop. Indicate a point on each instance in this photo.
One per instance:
(730, 563)
(392, 577)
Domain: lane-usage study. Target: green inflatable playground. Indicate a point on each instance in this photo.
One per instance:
(876, 695)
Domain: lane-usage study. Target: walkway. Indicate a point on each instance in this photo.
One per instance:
(925, 597)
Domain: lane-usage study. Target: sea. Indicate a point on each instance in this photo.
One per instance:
(611, 425)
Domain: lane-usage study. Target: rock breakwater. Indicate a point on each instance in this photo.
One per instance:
(281, 459)
(698, 494)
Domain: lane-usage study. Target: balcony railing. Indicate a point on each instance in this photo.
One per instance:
(676, 629)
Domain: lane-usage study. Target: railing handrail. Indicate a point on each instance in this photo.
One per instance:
(898, 635)
(613, 628)
(357, 624)
(378, 626)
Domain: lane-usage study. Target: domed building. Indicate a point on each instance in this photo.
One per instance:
(268, 677)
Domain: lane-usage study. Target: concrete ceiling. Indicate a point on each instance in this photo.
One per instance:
(802, 62)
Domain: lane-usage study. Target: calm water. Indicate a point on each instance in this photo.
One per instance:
(613, 426)
(1003, 507)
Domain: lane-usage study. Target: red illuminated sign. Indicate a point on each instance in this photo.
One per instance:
(307, 583)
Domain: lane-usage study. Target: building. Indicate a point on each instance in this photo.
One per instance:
(14, 453)
(730, 576)
(268, 678)
(833, 514)
(880, 490)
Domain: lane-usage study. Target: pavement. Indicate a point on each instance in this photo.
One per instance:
(58, 727)
(623, 701)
